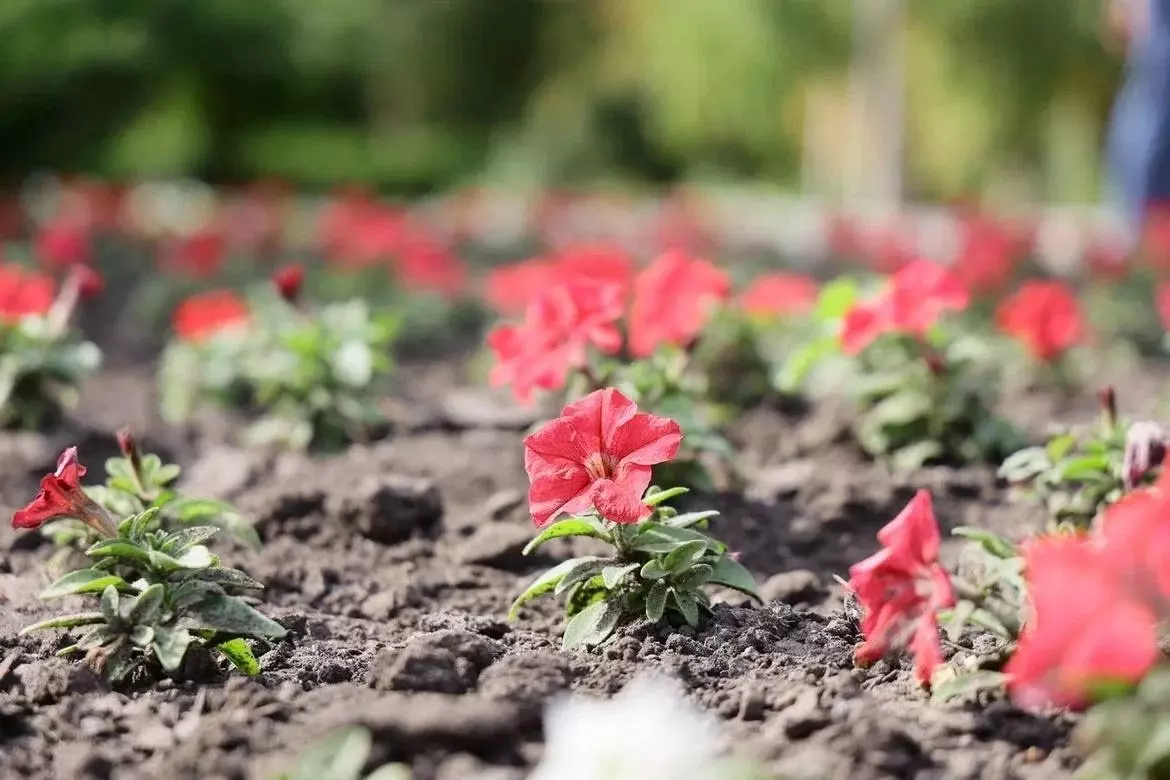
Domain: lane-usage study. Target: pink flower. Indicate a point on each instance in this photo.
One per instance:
(1083, 627)
(558, 328)
(1045, 317)
(779, 294)
(911, 303)
(597, 455)
(61, 496)
(902, 587)
(673, 299)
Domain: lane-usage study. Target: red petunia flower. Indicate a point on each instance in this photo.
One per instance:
(1136, 536)
(1045, 317)
(62, 242)
(673, 299)
(206, 314)
(779, 294)
(421, 262)
(912, 302)
(597, 455)
(599, 262)
(24, 293)
(1082, 629)
(61, 496)
(554, 337)
(198, 255)
(288, 281)
(987, 255)
(902, 587)
(510, 288)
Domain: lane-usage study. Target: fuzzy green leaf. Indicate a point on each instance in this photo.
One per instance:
(217, 513)
(991, 542)
(149, 605)
(968, 685)
(119, 548)
(340, 756)
(66, 621)
(915, 455)
(695, 577)
(690, 519)
(570, 526)
(688, 605)
(232, 616)
(659, 539)
(142, 522)
(170, 645)
(582, 572)
(223, 576)
(109, 605)
(732, 574)
(656, 601)
(240, 654)
(83, 581)
(684, 555)
(658, 496)
(612, 575)
(545, 583)
(653, 570)
(592, 625)
(181, 541)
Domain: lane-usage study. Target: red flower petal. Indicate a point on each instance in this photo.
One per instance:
(618, 505)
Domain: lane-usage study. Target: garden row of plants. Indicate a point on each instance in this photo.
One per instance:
(652, 361)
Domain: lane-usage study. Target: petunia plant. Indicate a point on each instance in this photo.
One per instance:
(305, 377)
(136, 482)
(42, 359)
(160, 594)
(924, 392)
(589, 327)
(1079, 472)
(589, 473)
(1045, 319)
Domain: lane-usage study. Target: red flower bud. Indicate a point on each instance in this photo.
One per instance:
(1108, 400)
(61, 496)
(89, 282)
(288, 281)
(129, 448)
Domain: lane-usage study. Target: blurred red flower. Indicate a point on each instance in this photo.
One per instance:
(780, 294)
(23, 292)
(987, 256)
(199, 255)
(912, 302)
(558, 328)
(421, 262)
(288, 281)
(61, 496)
(510, 288)
(1045, 317)
(597, 455)
(205, 314)
(673, 299)
(902, 587)
(1082, 627)
(1162, 301)
(62, 242)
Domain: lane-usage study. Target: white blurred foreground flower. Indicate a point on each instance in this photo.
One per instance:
(649, 731)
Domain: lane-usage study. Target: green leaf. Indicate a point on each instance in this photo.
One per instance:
(180, 541)
(570, 526)
(232, 616)
(656, 601)
(83, 581)
(1084, 468)
(149, 605)
(170, 645)
(197, 557)
(217, 513)
(391, 772)
(688, 605)
(141, 636)
(914, 456)
(189, 592)
(592, 625)
(684, 555)
(340, 756)
(612, 575)
(167, 473)
(794, 371)
(657, 538)
(836, 298)
(695, 577)
(582, 572)
(900, 409)
(732, 574)
(690, 519)
(967, 685)
(119, 548)
(993, 543)
(109, 605)
(66, 621)
(658, 496)
(653, 570)
(1060, 446)
(240, 654)
(223, 576)
(142, 522)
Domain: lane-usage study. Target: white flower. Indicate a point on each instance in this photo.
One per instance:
(649, 731)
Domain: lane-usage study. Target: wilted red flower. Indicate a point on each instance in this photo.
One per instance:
(510, 288)
(597, 455)
(912, 302)
(673, 299)
(902, 587)
(779, 294)
(1083, 628)
(200, 254)
(1044, 316)
(554, 337)
(24, 293)
(288, 281)
(62, 242)
(61, 496)
(205, 314)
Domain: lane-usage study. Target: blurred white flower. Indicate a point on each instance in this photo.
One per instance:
(649, 731)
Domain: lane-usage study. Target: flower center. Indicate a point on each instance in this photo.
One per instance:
(600, 466)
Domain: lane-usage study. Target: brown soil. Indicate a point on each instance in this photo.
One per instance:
(393, 566)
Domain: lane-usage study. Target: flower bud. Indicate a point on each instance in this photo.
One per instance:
(129, 447)
(288, 281)
(1107, 397)
(1145, 448)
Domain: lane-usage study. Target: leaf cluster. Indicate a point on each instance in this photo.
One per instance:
(1074, 476)
(1127, 733)
(658, 570)
(306, 378)
(159, 594)
(41, 366)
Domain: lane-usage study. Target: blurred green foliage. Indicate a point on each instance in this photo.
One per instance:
(413, 95)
